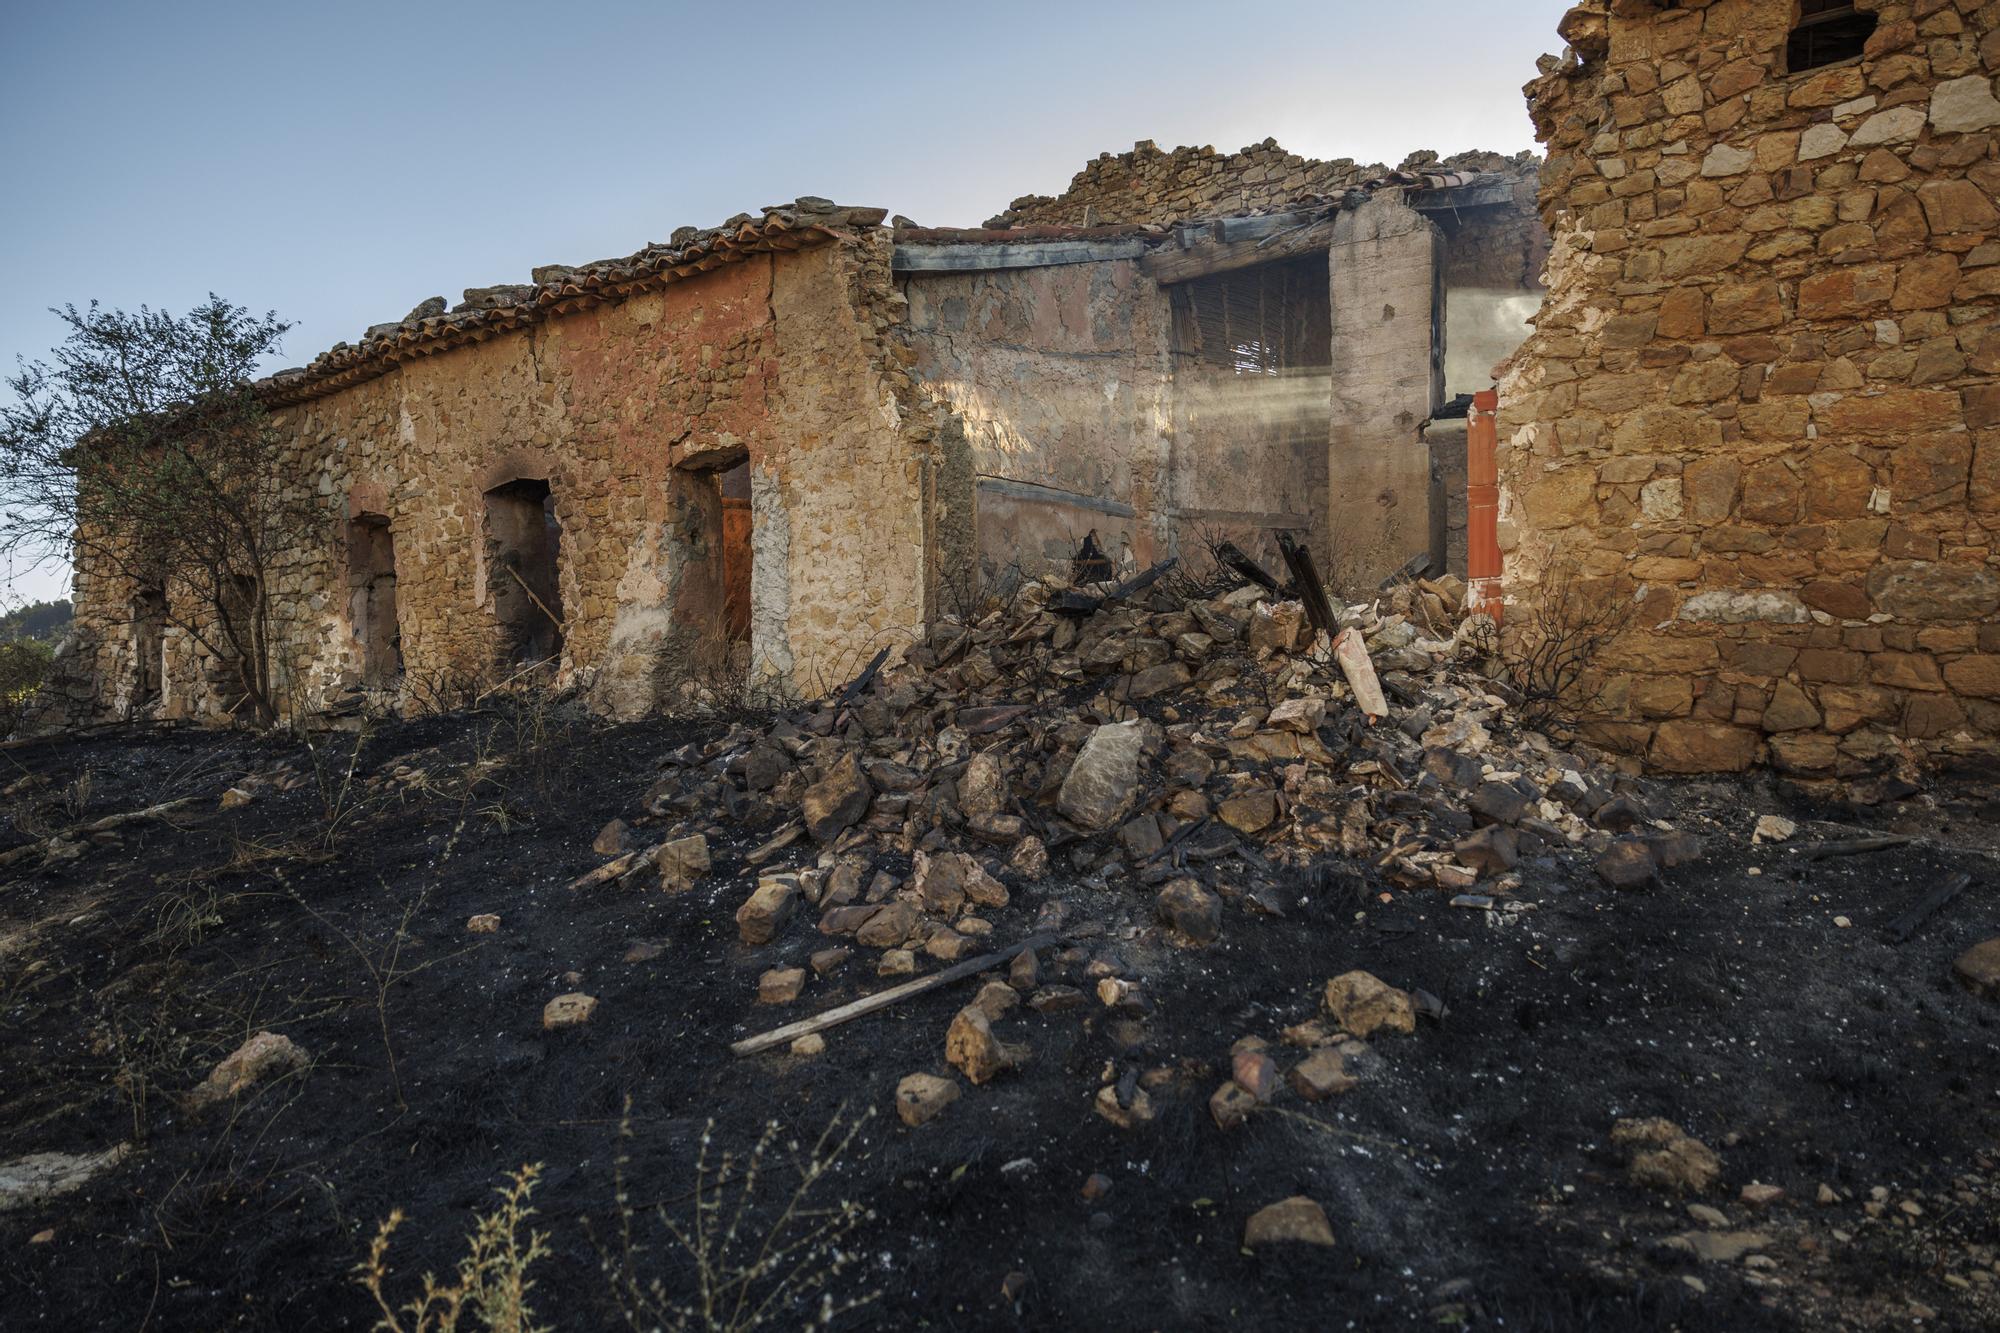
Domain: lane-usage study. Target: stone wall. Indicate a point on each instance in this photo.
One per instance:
(1760, 406)
(1149, 185)
(779, 360)
(1058, 377)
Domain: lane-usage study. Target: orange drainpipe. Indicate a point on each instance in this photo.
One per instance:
(1482, 504)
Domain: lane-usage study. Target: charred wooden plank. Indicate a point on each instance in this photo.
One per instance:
(1909, 923)
(1307, 586)
(868, 1004)
(1070, 602)
(1167, 265)
(1232, 555)
(1818, 851)
(861, 682)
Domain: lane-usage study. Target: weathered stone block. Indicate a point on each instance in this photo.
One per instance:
(1743, 307)
(1959, 106)
(1924, 590)
(1687, 746)
(1905, 671)
(1894, 412)
(1978, 674)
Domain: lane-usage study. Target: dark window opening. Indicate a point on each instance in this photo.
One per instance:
(712, 555)
(231, 669)
(149, 642)
(1253, 403)
(371, 594)
(1261, 320)
(1827, 32)
(523, 556)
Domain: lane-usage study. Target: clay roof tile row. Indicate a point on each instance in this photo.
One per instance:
(562, 289)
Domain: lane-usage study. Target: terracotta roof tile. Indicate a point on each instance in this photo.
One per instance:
(561, 289)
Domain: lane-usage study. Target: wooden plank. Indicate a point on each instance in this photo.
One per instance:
(615, 868)
(864, 680)
(1230, 554)
(1819, 851)
(1168, 266)
(868, 1004)
(1238, 229)
(1009, 254)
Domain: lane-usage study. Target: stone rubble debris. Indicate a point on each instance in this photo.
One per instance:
(1136, 769)
(1666, 1157)
(569, 1010)
(1773, 828)
(39, 1177)
(1978, 969)
(1294, 1221)
(264, 1056)
(920, 1097)
(1364, 1004)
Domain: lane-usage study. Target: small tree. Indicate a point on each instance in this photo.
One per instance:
(143, 453)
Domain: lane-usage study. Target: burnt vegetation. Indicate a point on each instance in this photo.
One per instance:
(435, 1154)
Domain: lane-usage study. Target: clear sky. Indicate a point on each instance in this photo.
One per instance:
(338, 163)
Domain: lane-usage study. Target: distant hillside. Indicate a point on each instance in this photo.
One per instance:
(44, 622)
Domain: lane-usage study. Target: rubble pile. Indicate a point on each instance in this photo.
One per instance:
(1112, 774)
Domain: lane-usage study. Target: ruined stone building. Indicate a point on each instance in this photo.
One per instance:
(1757, 409)
(757, 454)
(1760, 399)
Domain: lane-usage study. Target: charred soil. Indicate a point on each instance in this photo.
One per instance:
(1470, 1178)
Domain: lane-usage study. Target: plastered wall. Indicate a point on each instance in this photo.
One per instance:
(777, 360)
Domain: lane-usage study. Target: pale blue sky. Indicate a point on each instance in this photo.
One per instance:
(339, 163)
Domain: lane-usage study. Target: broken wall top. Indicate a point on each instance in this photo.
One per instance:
(1150, 185)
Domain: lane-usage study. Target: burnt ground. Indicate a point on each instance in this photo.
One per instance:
(1470, 1176)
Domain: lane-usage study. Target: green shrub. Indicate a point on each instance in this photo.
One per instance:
(24, 665)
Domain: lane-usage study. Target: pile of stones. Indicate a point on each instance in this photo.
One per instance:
(1141, 773)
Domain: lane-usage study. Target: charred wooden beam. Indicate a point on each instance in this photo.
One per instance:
(1307, 586)
(1232, 555)
(1070, 602)
(861, 682)
(1167, 266)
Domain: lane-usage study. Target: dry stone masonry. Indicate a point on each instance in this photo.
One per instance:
(1760, 403)
(1149, 185)
(739, 463)
(1756, 424)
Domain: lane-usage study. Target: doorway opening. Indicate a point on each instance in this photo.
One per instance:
(149, 642)
(711, 537)
(234, 665)
(371, 599)
(523, 559)
(734, 484)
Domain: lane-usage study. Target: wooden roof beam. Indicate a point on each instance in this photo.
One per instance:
(1168, 266)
